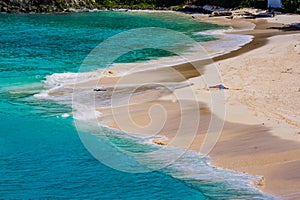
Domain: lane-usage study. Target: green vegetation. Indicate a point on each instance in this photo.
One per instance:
(235, 3)
(291, 6)
(288, 5)
(140, 3)
(59, 5)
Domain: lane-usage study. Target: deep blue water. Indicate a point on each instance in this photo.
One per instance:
(41, 155)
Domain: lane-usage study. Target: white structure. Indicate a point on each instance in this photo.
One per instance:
(274, 4)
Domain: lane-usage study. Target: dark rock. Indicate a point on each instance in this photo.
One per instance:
(15, 11)
(70, 9)
(194, 9)
(34, 8)
(220, 13)
(50, 9)
(82, 3)
(3, 4)
(4, 9)
(44, 8)
(58, 9)
(23, 10)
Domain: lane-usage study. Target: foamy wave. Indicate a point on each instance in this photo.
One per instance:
(189, 166)
(42, 95)
(226, 43)
(60, 86)
(213, 182)
(59, 79)
(65, 115)
(85, 113)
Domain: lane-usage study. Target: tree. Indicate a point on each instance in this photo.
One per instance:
(291, 5)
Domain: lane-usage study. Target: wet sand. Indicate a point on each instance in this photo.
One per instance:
(265, 72)
(261, 126)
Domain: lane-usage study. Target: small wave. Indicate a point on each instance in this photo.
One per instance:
(60, 86)
(215, 183)
(226, 43)
(188, 166)
(85, 113)
(65, 115)
(200, 51)
(59, 79)
(42, 95)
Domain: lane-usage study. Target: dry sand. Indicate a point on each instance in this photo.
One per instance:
(269, 99)
(261, 133)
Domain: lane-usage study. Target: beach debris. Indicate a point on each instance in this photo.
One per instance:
(297, 46)
(100, 89)
(219, 86)
(288, 70)
(260, 182)
(159, 142)
(110, 73)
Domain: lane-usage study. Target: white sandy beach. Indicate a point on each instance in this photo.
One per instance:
(269, 96)
(261, 134)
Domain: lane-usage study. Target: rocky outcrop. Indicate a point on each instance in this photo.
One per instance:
(221, 13)
(44, 6)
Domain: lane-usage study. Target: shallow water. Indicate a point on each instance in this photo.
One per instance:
(41, 152)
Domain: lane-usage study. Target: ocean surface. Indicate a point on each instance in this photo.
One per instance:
(41, 154)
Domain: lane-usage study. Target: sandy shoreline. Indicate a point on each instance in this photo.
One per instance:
(251, 141)
(269, 100)
(261, 126)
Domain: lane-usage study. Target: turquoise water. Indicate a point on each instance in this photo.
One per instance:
(41, 155)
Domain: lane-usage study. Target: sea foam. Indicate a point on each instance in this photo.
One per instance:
(226, 43)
